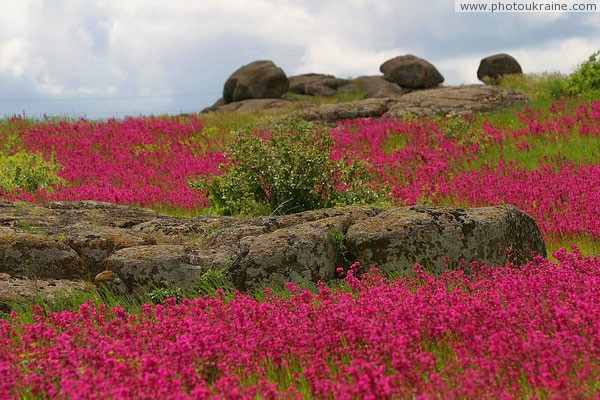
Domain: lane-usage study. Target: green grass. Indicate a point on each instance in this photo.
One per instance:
(543, 150)
(588, 245)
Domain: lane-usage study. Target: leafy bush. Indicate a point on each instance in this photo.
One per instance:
(28, 171)
(586, 76)
(288, 169)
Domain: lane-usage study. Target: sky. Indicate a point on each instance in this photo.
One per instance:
(112, 58)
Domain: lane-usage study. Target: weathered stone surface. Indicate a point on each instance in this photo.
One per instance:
(191, 231)
(37, 256)
(258, 80)
(148, 267)
(494, 67)
(94, 244)
(51, 218)
(301, 254)
(316, 84)
(411, 72)
(452, 101)
(20, 290)
(367, 108)
(300, 248)
(396, 239)
(379, 87)
(150, 250)
(252, 105)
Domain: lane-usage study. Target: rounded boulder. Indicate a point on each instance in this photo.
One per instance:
(257, 80)
(411, 72)
(496, 66)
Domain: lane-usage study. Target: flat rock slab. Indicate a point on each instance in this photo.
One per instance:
(20, 290)
(38, 256)
(368, 108)
(455, 101)
(149, 267)
(251, 106)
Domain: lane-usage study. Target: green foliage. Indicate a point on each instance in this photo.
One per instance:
(539, 87)
(287, 170)
(339, 240)
(586, 76)
(28, 171)
(213, 280)
(159, 295)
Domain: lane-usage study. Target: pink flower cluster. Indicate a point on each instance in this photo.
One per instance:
(529, 332)
(143, 161)
(431, 164)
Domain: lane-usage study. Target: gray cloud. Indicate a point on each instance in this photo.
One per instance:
(100, 58)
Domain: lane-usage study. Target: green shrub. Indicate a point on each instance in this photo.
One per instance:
(586, 76)
(287, 170)
(28, 171)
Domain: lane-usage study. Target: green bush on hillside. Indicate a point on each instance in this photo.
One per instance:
(586, 76)
(291, 171)
(27, 171)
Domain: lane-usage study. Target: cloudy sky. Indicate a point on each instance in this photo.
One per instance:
(104, 58)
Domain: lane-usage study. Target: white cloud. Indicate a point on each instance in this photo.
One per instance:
(14, 57)
(148, 47)
(563, 56)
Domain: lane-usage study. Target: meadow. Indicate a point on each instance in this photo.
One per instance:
(526, 331)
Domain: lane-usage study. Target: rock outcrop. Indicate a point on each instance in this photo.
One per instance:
(377, 87)
(252, 106)
(442, 238)
(368, 108)
(316, 84)
(494, 67)
(257, 80)
(140, 249)
(19, 290)
(411, 72)
(452, 101)
(410, 86)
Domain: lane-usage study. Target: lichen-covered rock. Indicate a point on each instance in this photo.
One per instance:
(302, 254)
(455, 101)
(95, 244)
(52, 218)
(22, 291)
(149, 267)
(368, 108)
(38, 256)
(441, 238)
(144, 250)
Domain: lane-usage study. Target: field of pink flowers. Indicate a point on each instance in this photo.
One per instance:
(529, 332)
(511, 332)
(150, 161)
